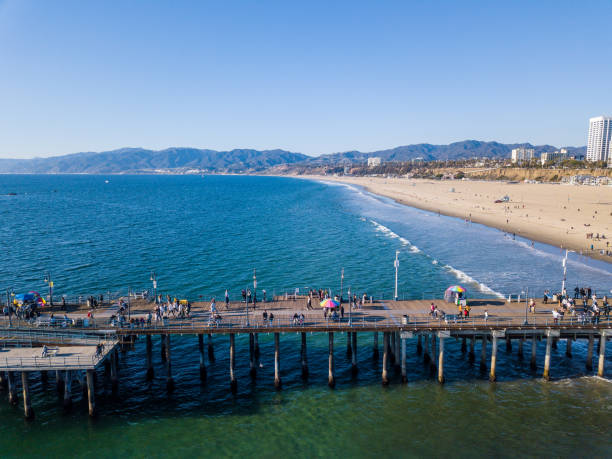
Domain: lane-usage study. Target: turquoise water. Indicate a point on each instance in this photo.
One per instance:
(203, 235)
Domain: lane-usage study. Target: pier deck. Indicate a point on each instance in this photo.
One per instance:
(61, 358)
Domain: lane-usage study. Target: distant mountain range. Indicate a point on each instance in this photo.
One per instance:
(140, 160)
(458, 150)
(181, 160)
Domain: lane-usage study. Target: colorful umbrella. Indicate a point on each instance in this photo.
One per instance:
(329, 303)
(456, 289)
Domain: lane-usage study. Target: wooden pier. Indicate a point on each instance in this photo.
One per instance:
(76, 350)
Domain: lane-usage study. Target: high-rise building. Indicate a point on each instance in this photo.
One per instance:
(600, 137)
(520, 155)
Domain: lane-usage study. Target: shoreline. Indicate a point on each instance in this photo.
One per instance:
(406, 192)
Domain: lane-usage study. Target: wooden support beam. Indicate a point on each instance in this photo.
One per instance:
(252, 365)
(602, 353)
(211, 350)
(441, 361)
(589, 360)
(68, 391)
(520, 348)
(304, 357)
(277, 378)
(27, 403)
(233, 382)
(349, 350)
(375, 346)
(12, 388)
(471, 354)
(385, 376)
(568, 348)
(534, 344)
(331, 379)
(403, 357)
(90, 392)
(150, 371)
(354, 369)
(202, 360)
(169, 379)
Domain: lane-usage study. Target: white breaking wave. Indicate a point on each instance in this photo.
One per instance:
(464, 277)
(405, 242)
(559, 258)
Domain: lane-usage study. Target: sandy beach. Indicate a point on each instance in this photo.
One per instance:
(560, 215)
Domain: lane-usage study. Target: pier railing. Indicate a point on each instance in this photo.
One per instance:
(316, 320)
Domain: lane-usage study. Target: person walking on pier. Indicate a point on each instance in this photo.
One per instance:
(265, 317)
(227, 299)
(309, 302)
(244, 295)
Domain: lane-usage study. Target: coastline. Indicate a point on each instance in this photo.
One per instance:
(535, 211)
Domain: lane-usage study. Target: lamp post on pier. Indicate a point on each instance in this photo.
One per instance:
(50, 283)
(153, 279)
(396, 264)
(254, 288)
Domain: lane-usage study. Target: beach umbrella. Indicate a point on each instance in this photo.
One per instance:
(329, 303)
(450, 291)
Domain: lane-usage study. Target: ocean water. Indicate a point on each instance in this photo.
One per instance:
(203, 235)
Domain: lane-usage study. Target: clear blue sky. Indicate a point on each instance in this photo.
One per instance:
(313, 77)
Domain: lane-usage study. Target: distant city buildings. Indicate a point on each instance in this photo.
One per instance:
(374, 161)
(554, 156)
(520, 155)
(600, 137)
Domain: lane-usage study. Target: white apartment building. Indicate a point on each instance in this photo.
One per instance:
(374, 161)
(600, 137)
(553, 156)
(520, 155)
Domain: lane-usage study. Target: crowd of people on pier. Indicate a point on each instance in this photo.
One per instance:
(585, 305)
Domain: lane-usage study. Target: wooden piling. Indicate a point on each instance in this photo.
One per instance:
(277, 378)
(304, 357)
(354, 369)
(483, 353)
(233, 382)
(471, 354)
(44, 376)
(3, 380)
(202, 361)
(392, 349)
(463, 345)
(602, 354)
(589, 360)
(163, 347)
(546, 374)
(492, 376)
(375, 346)
(90, 392)
(150, 371)
(27, 403)
(508, 344)
(256, 341)
(252, 366)
(113, 369)
(520, 348)
(349, 350)
(419, 345)
(554, 343)
(397, 350)
(83, 383)
(426, 357)
(568, 348)
(169, 379)
(211, 350)
(385, 376)
(331, 380)
(441, 361)
(12, 388)
(68, 391)
(534, 344)
(59, 382)
(403, 358)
